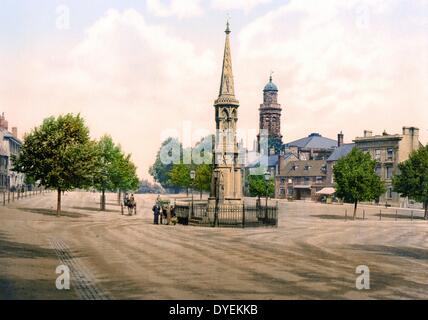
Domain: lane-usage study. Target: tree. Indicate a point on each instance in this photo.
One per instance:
(203, 177)
(356, 179)
(59, 154)
(259, 187)
(412, 179)
(180, 176)
(108, 155)
(125, 176)
(161, 169)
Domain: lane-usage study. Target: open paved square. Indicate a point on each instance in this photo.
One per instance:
(313, 254)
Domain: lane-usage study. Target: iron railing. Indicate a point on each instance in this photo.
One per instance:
(238, 216)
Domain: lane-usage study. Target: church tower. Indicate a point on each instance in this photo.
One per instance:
(270, 118)
(226, 186)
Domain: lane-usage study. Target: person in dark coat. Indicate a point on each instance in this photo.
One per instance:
(156, 212)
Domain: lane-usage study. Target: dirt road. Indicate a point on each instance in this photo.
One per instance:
(313, 254)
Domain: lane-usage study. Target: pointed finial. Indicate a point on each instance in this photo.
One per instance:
(228, 24)
(271, 74)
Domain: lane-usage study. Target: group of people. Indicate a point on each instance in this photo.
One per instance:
(164, 212)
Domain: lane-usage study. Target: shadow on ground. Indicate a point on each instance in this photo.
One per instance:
(51, 212)
(111, 204)
(12, 288)
(329, 217)
(406, 252)
(11, 249)
(93, 209)
(399, 216)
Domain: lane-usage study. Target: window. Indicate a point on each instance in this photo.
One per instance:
(319, 180)
(290, 180)
(389, 193)
(295, 167)
(388, 172)
(307, 168)
(307, 180)
(378, 153)
(379, 171)
(390, 154)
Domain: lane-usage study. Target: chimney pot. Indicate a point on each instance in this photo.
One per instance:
(15, 132)
(340, 139)
(368, 133)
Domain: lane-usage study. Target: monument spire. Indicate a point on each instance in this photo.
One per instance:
(227, 85)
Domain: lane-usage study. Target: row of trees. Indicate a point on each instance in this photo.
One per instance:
(60, 155)
(176, 175)
(357, 181)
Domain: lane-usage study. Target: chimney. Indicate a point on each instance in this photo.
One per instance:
(413, 134)
(411, 131)
(368, 133)
(3, 123)
(15, 132)
(340, 139)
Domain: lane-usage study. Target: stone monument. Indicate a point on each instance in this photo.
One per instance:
(226, 185)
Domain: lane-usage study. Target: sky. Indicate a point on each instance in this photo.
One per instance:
(143, 70)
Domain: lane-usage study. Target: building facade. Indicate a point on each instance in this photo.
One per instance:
(389, 150)
(9, 146)
(301, 179)
(302, 167)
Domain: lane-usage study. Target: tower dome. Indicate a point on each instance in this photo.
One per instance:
(270, 86)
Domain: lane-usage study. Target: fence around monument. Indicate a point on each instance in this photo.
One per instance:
(236, 216)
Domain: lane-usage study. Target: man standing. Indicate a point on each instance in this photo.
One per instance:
(156, 212)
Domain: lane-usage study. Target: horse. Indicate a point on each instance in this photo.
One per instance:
(131, 205)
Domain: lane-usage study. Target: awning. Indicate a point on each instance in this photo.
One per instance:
(327, 191)
(302, 186)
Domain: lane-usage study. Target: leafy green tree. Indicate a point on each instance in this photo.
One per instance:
(125, 177)
(203, 178)
(259, 187)
(412, 180)
(161, 169)
(356, 179)
(108, 155)
(59, 154)
(180, 176)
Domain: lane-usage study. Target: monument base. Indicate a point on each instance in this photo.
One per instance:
(226, 213)
(228, 202)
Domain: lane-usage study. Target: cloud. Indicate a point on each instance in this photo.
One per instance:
(245, 5)
(179, 8)
(339, 61)
(127, 77)
(347, 66)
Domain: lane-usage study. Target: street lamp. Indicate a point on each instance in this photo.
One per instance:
(192, 177)
(217, 185)
(267, 177)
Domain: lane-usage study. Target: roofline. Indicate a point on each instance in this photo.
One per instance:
(377, 138)
(11, 137)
